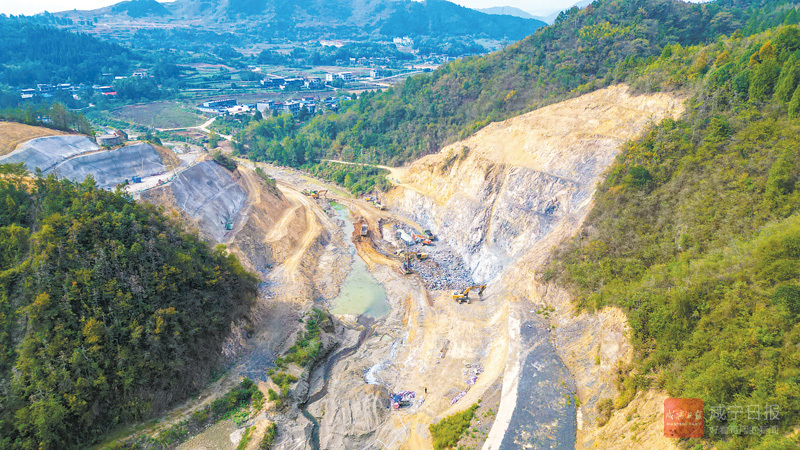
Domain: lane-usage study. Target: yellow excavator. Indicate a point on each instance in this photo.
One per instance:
(463, 296)
(419, 255)
(314, 193)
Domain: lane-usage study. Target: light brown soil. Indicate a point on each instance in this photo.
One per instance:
(12, 134)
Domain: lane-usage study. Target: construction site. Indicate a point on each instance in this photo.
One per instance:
(434, 287)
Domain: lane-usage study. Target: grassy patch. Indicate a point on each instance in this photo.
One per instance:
(248, 433)
(159, 115)
(305, 350)
(449, 430)
(235, 404)
(269, 437)
(308, 343)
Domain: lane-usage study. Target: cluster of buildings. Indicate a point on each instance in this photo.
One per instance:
(49, 90)
(316, 83)
(288, 106)
(292, 84)
(230, 106)
(390, 61)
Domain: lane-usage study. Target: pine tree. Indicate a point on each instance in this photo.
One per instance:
(794, 105)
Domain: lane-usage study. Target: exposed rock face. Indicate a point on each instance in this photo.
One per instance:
(503, 199)
(493, 196)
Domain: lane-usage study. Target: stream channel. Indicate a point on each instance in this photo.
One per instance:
(361, 295)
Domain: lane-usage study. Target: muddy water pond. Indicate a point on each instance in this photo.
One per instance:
(360, 293)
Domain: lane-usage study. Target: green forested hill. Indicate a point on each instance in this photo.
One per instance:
(584, 50)
(108, 311)
(696, 234)
(32, 53)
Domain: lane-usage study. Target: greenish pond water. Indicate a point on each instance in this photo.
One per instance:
(361, 293)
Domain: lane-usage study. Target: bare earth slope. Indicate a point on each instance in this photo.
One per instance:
(502, 199)
(12, 134)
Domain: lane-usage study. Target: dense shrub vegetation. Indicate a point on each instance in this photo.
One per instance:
(50, 115)
(223, 160)
(448, 431)
(108, 310)
(269, 437)
(356, 179)
(695, 233)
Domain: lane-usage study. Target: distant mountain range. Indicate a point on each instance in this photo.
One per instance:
(516, 12)
(309, 19)
(507, 11)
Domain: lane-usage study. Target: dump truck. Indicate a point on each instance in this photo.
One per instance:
(364, 228)
(463, 296)
(137, 179)
(229, 224)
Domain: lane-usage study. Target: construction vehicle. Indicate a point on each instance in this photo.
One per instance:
(137, 179)
(364, 228)
(429, 234)
(551, 207)
(463, 296)
(420, 238)
(319, 193)
(406, 254)
(406, 266)
(229, 224)
(376, 202)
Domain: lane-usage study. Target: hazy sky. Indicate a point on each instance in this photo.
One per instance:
(30, 7)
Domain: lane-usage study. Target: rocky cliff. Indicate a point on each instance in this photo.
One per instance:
(502, 199)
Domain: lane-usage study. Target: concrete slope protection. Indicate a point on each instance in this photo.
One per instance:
(75, 157)
(112, 167)
(46, 152)
(209, 194)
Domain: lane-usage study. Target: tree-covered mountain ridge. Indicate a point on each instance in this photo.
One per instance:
(344, 19)
(109, 311)
(695, 234)
(584, 50)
